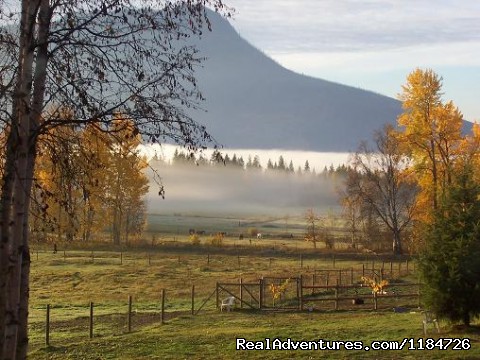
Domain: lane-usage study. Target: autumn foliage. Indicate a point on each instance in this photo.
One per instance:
(93, 182)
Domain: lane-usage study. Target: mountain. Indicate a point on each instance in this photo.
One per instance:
(253, 102)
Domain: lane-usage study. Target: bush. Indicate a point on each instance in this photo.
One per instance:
(252, 232)
(195, 239)
(216, 240)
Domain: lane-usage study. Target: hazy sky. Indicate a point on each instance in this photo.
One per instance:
(371, 44)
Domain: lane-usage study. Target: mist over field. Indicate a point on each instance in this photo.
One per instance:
(224, 190)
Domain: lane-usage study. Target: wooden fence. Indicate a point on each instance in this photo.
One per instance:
(299, 295)
(303, 293)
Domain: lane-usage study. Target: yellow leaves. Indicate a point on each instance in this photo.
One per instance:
(377, 287)
(278, 290)
(431, 135)
(93, 174)
(422, 90)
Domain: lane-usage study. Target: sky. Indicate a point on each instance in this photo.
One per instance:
(371, 44)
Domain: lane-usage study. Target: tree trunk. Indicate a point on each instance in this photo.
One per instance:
(116, 226)
(28, 110)
(14, 185)
(16, 247)
(22, 331)
(397, 243)
(5, 230)
(22, 335)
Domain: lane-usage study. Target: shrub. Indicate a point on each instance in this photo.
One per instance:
(216, 240)
(195, 239)
(252, 232)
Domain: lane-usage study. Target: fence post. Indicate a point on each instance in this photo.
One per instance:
(391, 269)
(313, 284)
(162, 317)
(351, 276)
(121, 258)
(419, 298)
(270, 265)
(336, 295)
(208, 259)
(216, 295)
(47, 326)
(301, 292)
(407, 266)
(64, 256)
(241, 293)
(193, 299)
(129, 315)
(375, 301)
(260, 301)
(91, 321)
(298, 291)
(328, 277)
(363, 269)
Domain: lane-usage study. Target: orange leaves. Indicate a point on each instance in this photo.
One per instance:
(431, 135)
(377, 287)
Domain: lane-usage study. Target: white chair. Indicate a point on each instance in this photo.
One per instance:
(228, 303)
(429, 318)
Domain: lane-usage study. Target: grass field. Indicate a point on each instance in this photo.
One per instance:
(70, 281)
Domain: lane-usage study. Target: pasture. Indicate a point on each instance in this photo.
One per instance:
(74, 277)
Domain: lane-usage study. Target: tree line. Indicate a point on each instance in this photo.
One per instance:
(217, 159)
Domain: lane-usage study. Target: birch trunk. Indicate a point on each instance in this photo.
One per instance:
(28, 107)
(24, 288)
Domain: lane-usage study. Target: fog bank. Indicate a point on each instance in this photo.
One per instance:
(224, 190)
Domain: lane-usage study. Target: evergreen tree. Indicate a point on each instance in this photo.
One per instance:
(270, 165)
(249, 162)
(241, 162)
(306, 168)
(216, 158)
(290, 167)
(281, 163)
(256, 162)
(450, 261)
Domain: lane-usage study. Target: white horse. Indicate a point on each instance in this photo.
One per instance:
(259, 236)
